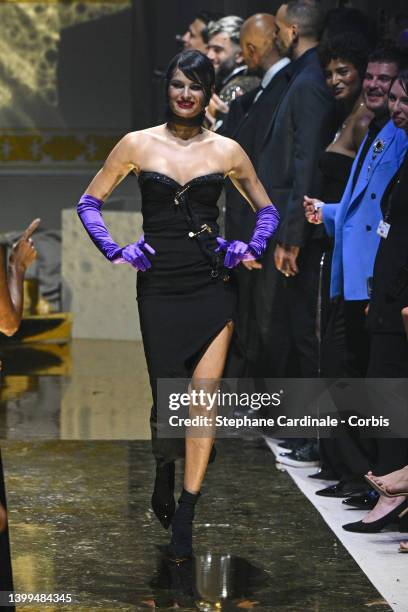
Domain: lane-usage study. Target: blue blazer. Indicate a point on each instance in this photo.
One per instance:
(354, 221)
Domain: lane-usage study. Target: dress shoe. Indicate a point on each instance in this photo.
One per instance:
(305, 456)
(342, 489)
(393, 517)
(324, 474)
(362, 501)
(291, 444)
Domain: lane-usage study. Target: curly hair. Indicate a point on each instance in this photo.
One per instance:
(349, 47)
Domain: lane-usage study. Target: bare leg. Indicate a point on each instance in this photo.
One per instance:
(383, 506)
(396, 482)
(209, 369)
(198, 445)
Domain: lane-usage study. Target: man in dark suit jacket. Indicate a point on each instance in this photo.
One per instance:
(246, 124)
(301, 127)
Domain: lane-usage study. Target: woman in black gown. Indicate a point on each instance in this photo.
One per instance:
(344, 61)
(185, 298)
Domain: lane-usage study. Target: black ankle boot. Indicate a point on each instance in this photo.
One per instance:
(163, 503)
(181, 544)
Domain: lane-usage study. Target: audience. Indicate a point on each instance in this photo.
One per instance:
(353, 223)
(388, 357)
(231, 75)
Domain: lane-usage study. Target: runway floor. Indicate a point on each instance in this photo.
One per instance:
(80, 523)
(79, 501)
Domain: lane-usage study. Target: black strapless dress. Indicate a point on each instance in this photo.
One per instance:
(186, 298)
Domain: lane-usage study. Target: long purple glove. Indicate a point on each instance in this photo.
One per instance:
(267, 221)
(89, 211)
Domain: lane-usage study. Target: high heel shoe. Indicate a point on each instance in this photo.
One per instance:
(181, 544)
(382, 491)
(163, 503)
(398, 515)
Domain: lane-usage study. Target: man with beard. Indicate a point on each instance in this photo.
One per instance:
(231, 75)
(246, 124)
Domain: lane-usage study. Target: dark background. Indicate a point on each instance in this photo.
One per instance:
(155, 24)
(106, 81)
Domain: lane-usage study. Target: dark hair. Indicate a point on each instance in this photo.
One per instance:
(388, 55)
(207, 16)
(348, 46)
(307, 14)
(341, 20)
(197, 67)
(402, 79)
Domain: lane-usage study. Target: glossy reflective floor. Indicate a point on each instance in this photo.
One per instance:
(84, 390)
(80, 523)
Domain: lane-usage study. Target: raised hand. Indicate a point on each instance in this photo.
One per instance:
(24, 253)
(134, 255)
(313, 210)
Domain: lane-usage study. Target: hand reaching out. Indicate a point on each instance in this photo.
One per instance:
(24, 252)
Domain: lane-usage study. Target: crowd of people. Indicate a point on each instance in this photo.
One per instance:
(320, 108)
(326, 128)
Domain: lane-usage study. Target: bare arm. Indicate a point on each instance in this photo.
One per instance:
(245, 179)
(116, 167)
(11, 284)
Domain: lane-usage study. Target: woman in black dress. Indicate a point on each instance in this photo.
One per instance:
(186, 301)
(344, 61)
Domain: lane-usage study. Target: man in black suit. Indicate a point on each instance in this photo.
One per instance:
(246, 124)
(301, 127)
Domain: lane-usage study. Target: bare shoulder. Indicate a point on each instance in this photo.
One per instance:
(225, 144)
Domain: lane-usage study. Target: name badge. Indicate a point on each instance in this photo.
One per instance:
(383, 229)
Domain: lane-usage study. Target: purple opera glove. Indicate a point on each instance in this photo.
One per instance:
(267, 221)
(89, 211)
(236, 251)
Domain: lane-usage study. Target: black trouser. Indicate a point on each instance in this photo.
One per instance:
(6, 581)
(389, 359)
(289, 344)
(276, 324)
(345, 352)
